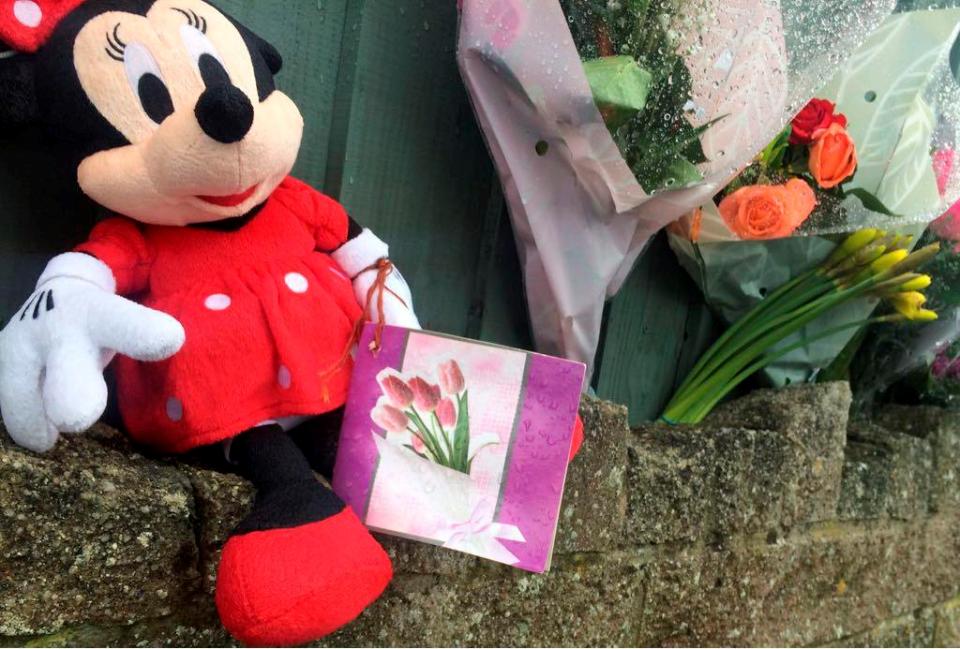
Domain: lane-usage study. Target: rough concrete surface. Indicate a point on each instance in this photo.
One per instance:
(765, 525)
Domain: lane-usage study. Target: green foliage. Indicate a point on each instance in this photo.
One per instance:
(774, 156)
(620, 87)
(658, 142)
(869, 201)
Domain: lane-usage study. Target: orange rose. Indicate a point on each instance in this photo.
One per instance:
(833, 157)
(768, 211)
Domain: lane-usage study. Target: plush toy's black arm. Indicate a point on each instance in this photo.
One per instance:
(354, 229)
(18, 101)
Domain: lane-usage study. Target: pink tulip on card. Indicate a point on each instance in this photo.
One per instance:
(451, 378)
(391, 419)
(447, 413)
(426, 397)
(418, 445)
(398, 392)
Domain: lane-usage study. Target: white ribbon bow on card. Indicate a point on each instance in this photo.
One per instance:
(480, 536)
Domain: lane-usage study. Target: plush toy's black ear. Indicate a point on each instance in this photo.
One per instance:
(267, 61)
(270, 54)
(18, 97)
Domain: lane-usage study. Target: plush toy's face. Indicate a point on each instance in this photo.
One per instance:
(188, 126)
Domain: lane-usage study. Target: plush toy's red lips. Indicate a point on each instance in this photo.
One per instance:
(229, 201)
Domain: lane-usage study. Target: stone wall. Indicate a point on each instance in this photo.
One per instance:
(775, 523)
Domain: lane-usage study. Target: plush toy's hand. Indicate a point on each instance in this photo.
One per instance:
(397, 300)
(359, 258)
(53, 351)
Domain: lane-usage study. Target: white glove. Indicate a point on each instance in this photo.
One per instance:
(54, 349)
(356, 257)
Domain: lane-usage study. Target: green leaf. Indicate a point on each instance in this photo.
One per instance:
(673, 173)
(869, 201)
(620, 87)
(461, 435)
(772, 156)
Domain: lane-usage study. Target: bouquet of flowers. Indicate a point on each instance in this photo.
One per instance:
(607, 120)
(431, 420)
(868, 264)
(868, 151)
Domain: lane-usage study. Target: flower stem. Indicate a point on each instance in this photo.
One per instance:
(428, 438)
(783, 307)
(779, 327)
(443, 434)
(698, 414)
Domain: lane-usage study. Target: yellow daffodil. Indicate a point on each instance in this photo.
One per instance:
(917, 284)
(854, 243)
(918, 258)
(910, 305)
(888, 260)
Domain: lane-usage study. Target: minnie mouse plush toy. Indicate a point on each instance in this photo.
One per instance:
(228, 291)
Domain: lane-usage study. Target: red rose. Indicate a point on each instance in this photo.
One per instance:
(816, 116)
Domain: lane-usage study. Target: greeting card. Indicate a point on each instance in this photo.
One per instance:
(459, 443)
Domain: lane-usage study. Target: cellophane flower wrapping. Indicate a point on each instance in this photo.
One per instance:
(902, 103)
(585, 197)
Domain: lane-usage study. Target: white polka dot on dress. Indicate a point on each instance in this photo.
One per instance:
(296, 282)
(284, 378)
(217, 302)
(28, 13)
(174, 409)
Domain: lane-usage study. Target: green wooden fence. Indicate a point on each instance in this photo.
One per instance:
(390, 132)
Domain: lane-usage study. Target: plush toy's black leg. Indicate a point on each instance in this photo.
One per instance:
(301, 565)
(317, 438)
(288, 493)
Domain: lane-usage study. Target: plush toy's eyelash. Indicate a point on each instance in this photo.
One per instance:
(199, 22)
(115, 45)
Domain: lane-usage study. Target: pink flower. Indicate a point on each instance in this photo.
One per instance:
(507, 18)
(447, 413)
(451, 378)
(398, 392)
(389, 418)
(943, 166)
(940, 365)
(426, 397)
(948, 226)
(418, 445)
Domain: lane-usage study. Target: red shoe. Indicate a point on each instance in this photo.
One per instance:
(290, 586)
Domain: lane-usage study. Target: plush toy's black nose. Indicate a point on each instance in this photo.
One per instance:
(225, 113)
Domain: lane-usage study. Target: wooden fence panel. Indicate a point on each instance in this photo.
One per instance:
(656, 328)
(414, 166)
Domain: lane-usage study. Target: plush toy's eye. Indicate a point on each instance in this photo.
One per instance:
(145, 78)
(206, 57)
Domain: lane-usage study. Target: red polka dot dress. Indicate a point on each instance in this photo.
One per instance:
(268, 317)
